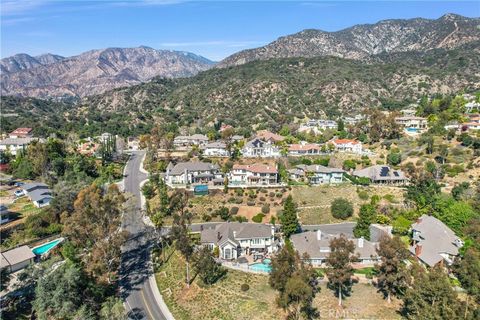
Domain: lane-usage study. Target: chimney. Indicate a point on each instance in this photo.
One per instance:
(360, 242)
(234, 234)
(319, 235)
(418, 250)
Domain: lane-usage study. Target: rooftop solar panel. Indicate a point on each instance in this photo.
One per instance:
(384, 171)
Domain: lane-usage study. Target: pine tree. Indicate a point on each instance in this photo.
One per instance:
(289, 218)
(367, 216)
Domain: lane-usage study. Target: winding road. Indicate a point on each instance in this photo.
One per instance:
(137, 282)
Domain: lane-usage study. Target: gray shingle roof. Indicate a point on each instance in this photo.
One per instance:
(40, 194)
(181, 167)
(17, 255)
(34, 185)
(244, 230)
(374, 173)
(434, 237)
(319, 168)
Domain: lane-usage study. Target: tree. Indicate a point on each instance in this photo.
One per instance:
(467, 271)
(430, 296)
(112, 309)
(180, 228)
(394, 158)
(341, 208)
(423, 192)
(339, 266)
(289, 218)
(391, 272)
(367, 216)
(459, 189)
(283, 266)
(297, 297)
(5, 279)
(206, 267)
(102, 239)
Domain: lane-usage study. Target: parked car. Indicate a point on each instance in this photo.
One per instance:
(19, 193)
(19, 184)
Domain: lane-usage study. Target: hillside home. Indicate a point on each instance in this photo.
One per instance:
(253, 175)
(316, 174)
(412, 122)
(14, 145)
(258, 148)
(186, 141)
(472, 124)
(215, 149)
(433, 242)
(234, 239)
(317, 245)
(472, 107)
(353, 120)
(38, 193)
(348, 145)
(21, 133)
(16, 259)
(382, 174)
(408, 112)
(186, 173)
(304, 149)
(266, 135)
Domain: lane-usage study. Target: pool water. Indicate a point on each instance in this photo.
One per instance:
(412, 129)
(44, 248)
(265, 266)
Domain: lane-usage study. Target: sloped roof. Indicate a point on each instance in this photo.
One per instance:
(21, 131)
(225, 232)
(181, 167)
(29, 186)
(17, 255)
(215, 145)
(303, 147)
(380, 172)
(345, 141)
(19, 141)
(257, 168)
(319, 168)
(40, 194)
(267, 135)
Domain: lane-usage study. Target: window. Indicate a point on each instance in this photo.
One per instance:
(256, 241)
(227, 253)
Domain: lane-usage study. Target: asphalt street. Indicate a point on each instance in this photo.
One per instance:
(136, 264)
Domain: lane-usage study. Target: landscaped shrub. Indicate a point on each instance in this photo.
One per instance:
(389, 197)
(232, 199)
(375, 199)
(206, 217)
(271, 194)
(383, 219)
(239, 200)
(250, 203)
(258, 218)
(401, 225)
(239, 192)
(240, 219)
(394, 158)
(234, 210)
(266, 208)
(224, 213)
(341, 208)
(244, 287)
(263, 199)
(362, 194)
(279, 195)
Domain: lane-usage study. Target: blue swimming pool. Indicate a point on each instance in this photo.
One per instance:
(412, 129)
(44, 248)
(264, 266)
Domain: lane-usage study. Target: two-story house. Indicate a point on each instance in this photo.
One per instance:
(348, 145)
(215, 149)
(412, 122)
(186, 141)
(186, 173)
(253, 175)
(382, 174)
(235, 239)
(258, 148)
(316, 174)
(304, 149)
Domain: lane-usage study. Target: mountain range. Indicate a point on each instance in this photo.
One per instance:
(363, 42)
(93, 72)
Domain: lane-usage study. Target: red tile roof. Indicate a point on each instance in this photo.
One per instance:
(21, 131)
(345, 141)
(267, 135)
(257, 168)
(301, 147)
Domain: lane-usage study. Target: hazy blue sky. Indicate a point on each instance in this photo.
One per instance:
(212, 29)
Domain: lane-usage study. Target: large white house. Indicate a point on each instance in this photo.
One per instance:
(258, 148)
(412, 122)
(14, 145)
(216, 149)
(348, 145)
(185, 173)
(185, 141)
(316, 174)
(253, 175)
(235, 239)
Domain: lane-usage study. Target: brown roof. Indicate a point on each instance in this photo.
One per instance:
(21, 131)
(257, 168)
(267, 135)
(301, 147)
(345, 141)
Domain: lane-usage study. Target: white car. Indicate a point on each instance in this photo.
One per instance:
(19, 193)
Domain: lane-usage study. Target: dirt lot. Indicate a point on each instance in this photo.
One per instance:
(225, 300)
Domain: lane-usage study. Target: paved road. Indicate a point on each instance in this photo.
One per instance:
(136, 266)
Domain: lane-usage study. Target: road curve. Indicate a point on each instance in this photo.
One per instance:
(136, 270)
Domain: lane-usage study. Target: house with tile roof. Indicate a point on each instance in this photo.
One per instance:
(235, 239)
(190, 173)
(304, 149)
(266, 135)
(258, 148)
(347, 145)
(21, 133)
(254, 175)
(316, 174)
(433, 243)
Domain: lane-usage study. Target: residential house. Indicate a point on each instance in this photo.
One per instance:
(260, 148)
(253, 175)
(433, 242)
(21, 133)
(353, 120)
(88, 148)
(38, 193)
(237, 138)
(235, 239)
(29, 187)
(327, 124)
(266, 135)
(304, 149)
(14, 145)
(186, 141)
(317, 125)
(317, 174)
(16, 259)
(472, 124)
(410, 112)
(133, 143)
(215, 149)
(185, 173)
(382, 174)
(316, 243)
(348, 145)
(412, 122)
(472, 107)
